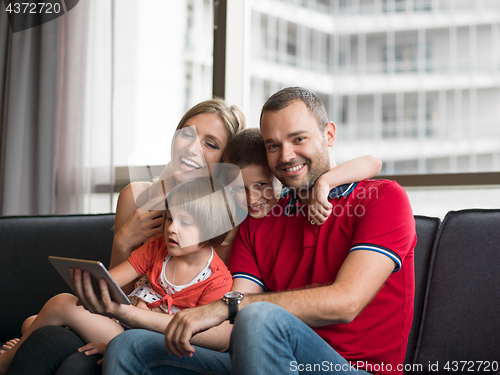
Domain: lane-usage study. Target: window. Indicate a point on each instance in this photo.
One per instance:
(163, 66)
(422, 97)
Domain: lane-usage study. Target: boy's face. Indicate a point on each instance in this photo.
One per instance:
(261, 191)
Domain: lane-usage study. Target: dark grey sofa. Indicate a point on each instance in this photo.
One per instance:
(457, 274)
(25, 272)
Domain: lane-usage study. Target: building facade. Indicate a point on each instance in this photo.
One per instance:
(414, 82)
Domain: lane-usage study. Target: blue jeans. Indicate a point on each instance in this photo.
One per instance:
(138, 351)
(266, 339)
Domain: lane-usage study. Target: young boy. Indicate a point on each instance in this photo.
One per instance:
(261, 190)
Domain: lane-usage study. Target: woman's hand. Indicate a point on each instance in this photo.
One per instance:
(94, 348)
(133, 225)
(139, 227)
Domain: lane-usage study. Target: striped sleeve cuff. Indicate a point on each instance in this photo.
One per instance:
(382, 250)
(247, 276)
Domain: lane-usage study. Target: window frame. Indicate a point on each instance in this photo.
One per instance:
(227, 38)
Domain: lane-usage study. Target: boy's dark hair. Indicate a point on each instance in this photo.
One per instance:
(285, 97)
(245, 149)
(210, 204)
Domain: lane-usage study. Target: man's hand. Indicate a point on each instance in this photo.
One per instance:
(189, 322)
(319, 208)
(82, 286)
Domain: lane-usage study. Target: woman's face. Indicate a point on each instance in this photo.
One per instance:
(201, 141)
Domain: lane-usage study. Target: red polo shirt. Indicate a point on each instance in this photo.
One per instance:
(285, 251)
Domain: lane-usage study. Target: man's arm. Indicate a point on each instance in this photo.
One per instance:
(359, 279)
(192, 324)
(361, 276)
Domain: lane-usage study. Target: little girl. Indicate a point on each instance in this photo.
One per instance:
(183, 269)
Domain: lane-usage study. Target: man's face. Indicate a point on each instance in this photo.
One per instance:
(297, 151)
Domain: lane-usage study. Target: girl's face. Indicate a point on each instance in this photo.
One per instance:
(201, 141)
(181, 230)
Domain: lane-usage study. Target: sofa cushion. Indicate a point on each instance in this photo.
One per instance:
(26, 275)
(426, 228)
(462, 301)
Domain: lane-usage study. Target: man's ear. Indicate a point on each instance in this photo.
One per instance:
(329, 133)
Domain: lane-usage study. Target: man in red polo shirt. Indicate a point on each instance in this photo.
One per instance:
(341, 293)
(335, 298)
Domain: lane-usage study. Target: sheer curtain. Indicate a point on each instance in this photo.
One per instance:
(56, 120)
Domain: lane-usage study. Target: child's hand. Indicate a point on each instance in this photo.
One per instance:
(94, 348)
(143, 305)
(319, 208)
(8, 345)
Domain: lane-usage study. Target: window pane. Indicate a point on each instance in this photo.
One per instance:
(415, 83)
(163, 66)
(423, 97)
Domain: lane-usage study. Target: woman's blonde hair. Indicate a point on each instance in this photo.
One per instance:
(232, 116)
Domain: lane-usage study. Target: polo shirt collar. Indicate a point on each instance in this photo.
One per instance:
(339, 191)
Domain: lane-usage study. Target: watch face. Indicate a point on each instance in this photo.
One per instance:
(233, 295)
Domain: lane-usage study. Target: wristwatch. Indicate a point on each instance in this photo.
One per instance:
(232, 300)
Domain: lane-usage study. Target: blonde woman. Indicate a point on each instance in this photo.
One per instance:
(215, 123)
(52, 349)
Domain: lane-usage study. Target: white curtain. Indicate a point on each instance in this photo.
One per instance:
(57, 120)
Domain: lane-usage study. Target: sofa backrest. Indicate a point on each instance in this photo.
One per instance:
(426, 228)
(460, 320)
(30, 280)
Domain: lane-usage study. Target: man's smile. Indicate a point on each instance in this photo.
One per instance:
(295, 168)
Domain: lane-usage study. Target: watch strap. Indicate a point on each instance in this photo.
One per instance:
(233, 310)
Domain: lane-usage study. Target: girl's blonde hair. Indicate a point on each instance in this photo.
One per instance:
(211, 205)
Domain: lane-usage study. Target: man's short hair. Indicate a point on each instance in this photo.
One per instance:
(246, 149)
(286, 96)
(208, 201)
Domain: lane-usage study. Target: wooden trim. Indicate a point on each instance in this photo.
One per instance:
(446, 179)
(416, 180)
(219, 59)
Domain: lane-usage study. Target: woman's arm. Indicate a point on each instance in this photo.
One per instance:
(133, 225)
(351, 171)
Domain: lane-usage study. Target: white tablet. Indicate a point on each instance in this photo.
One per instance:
(97, 272)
